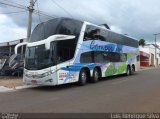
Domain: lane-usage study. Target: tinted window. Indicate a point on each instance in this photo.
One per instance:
(96, 33)
(93, 33)
(102, 57)
(56, 26)
(138, 58)
(86, 57)
(104, 33)
(65, 50)
(37, 58)
(113, 57)
(123, 57)
(115, 38)
(51, 27)
(38, 33)
(70, 27)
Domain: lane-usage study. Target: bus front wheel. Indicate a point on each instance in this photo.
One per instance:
(83, 77)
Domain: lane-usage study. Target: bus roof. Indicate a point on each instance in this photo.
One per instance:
(87, 23)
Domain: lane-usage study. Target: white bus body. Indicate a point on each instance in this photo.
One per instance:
(70, 56)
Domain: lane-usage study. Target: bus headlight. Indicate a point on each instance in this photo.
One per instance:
(38, 75)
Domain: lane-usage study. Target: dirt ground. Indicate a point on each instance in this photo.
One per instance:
(11, 82)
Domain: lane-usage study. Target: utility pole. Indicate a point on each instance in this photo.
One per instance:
(30, 9)
(156, 47)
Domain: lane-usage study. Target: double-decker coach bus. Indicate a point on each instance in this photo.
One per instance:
(64, 50)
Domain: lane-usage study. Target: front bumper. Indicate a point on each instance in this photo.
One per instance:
(50, 80)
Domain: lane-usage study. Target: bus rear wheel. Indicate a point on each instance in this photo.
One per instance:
(128, 71)
(133, 69)
(96, 75)
(83, 76)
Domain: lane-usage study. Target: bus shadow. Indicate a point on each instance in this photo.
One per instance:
(55, 88)
(118, 77)
(75, 85)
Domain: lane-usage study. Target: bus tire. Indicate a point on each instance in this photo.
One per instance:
(83, 76)
(128, 70)
(133, 69)
(96, 75)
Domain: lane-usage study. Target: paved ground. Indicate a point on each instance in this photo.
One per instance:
(136, 93)
(13, 82)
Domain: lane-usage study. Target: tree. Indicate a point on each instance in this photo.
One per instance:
(142, 42)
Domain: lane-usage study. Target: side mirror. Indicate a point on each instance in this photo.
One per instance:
(19, 45)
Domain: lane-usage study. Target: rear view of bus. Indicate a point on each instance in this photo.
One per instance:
(64, 51)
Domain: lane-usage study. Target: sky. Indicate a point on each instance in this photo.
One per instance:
(136, 18)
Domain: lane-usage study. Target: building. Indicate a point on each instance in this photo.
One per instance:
(144, 59)
(7, 48)
(9, 62)
(147, 55)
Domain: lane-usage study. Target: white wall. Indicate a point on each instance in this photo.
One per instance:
(144, 49)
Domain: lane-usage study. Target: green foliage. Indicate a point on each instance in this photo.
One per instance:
(142, 42)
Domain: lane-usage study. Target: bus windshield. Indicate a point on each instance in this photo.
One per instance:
(37, 57)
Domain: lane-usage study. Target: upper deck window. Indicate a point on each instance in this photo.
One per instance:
(56, 26)
(97, 33)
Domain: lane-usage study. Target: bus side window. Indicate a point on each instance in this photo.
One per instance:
(114, 57)
(123, 57)
(86, 57)
(65, 50)
(138, 58)
(100, 57)
(53, 52)
(93, 33)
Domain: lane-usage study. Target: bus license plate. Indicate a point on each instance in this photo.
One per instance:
(34, 81)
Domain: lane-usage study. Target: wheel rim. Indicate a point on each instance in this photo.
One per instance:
(128, 71)
(96, 75)
(84, 76)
